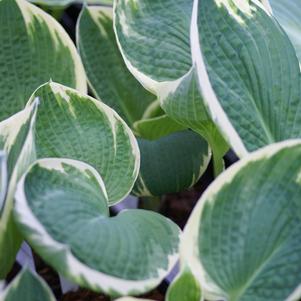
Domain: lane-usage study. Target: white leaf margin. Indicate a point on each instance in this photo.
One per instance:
(112, 117)
(29, 11)
(216, 111)
(4, 179)
(189, 239)
(76, 270)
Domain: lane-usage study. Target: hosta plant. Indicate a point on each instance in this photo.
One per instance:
(172, 157)
(79, 196)
(173, 81)
(242, 240)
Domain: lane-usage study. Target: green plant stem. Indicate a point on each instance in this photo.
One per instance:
(219, 148)
(152, 203)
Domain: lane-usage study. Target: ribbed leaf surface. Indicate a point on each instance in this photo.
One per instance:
(153, 37)
(111, 81)
(34, 49)
(72, 125)
(62, 208)
(108, 76)
(248, 72)
(76, 126)
(243, 239)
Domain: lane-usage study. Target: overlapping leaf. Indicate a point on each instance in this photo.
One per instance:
(75, 126)
(16, 140)
(248, 73)
(153, 37)
(27, 287)
(171, 163)
(62, 207)
(71, 125)
(242, 240)
(288, 14)
(34, 48)
(163, 153)
(108, 76)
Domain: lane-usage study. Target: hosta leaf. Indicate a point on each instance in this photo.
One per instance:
(288, 13)
(16, 139)
(113, 84)
(61, 206)
(3, 179)
(156, 127)
(34, 48)
(171, 163)
(184, 288)
(27, 287)
(58, 3)
(153, 37)
(79, 127)
(242, 240)
(108, 76)
(153, 110)
(248, 73)
(71, 125)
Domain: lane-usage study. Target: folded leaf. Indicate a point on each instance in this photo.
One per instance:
(248, 73)
(72, 125)
(16, 139)
(171, 163)
(108, 76)
(113, 83)
(34, 48)
(27, 286)
(288, 14)
(61, 206)
(154, 40)
(242, 241)
(76, 126)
